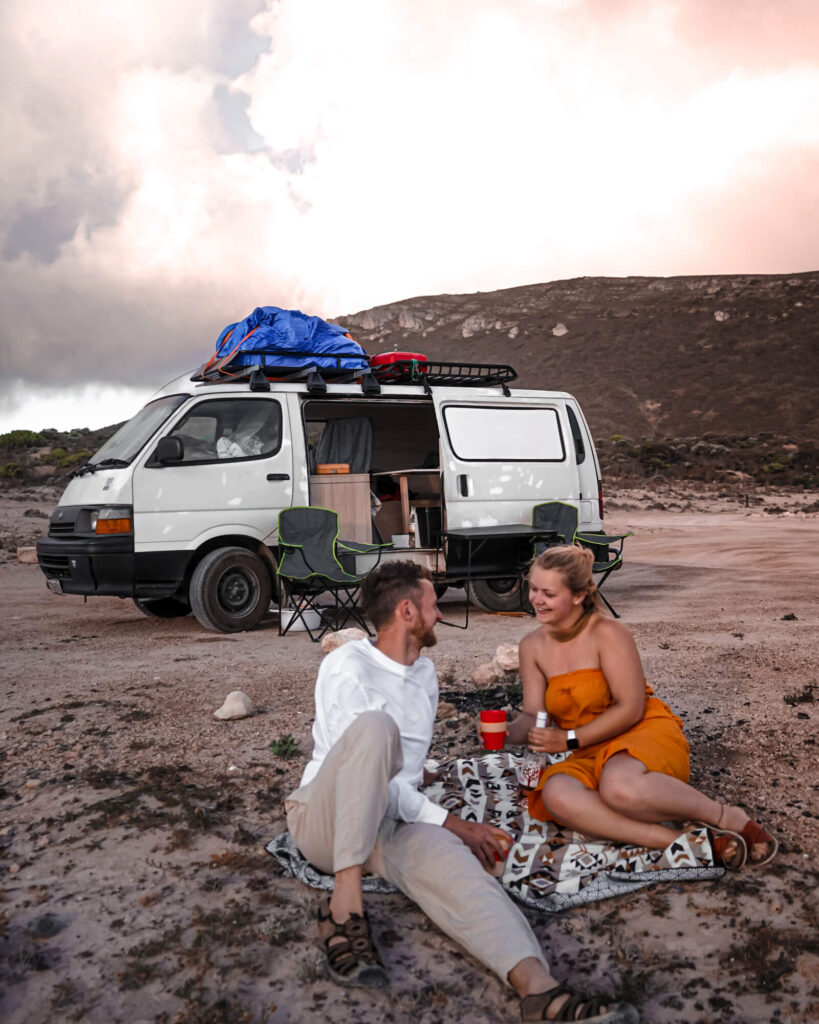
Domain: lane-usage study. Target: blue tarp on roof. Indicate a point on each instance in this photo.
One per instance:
(288, 330)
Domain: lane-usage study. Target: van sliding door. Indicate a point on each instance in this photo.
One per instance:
(501, 458)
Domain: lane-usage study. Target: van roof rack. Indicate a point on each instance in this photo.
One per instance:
(437, 374)
(426, 372)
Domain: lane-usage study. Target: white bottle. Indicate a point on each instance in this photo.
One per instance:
(533, 762)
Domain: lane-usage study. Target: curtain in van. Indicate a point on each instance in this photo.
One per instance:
(349, 441)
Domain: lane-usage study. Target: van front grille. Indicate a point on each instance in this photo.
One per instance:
(60, 529)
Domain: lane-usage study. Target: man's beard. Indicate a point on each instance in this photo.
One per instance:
(426, 638)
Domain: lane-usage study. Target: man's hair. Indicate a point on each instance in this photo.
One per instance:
(390, 583)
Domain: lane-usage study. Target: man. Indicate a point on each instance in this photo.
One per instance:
(359, 809)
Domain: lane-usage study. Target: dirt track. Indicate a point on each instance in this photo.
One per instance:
(135, 886)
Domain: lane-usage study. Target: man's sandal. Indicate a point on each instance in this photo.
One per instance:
(576, 1007)
(349, 951)
(754, 835)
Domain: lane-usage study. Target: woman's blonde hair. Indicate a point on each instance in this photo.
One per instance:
(574, 563)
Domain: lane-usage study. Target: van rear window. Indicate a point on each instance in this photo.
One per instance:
(504, 434)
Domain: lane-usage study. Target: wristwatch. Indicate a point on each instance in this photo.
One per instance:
(572, 742)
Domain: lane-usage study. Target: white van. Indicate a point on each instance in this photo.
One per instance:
(179, 509)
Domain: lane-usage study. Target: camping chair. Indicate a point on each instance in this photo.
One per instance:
(561, 519)
(313, 562)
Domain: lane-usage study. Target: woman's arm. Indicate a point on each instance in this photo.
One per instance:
(534, 691)
(623, 670)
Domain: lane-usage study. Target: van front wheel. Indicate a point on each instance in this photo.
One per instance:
(230, 590)
(508, 594)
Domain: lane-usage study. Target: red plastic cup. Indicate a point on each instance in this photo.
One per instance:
(493, 729)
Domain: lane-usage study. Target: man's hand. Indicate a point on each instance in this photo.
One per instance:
(430, 777)
(481, 839)
(549, 740)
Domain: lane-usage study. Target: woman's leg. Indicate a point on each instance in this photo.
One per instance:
(583, 809)
(627, 786)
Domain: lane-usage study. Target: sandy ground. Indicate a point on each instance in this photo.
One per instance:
(134, 885)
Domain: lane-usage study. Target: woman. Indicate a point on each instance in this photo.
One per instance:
(628, 766)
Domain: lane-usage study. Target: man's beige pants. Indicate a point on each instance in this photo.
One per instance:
(337, 821)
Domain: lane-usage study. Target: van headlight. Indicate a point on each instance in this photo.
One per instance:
(112, 519)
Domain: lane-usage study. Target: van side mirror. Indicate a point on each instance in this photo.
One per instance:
(169, 449)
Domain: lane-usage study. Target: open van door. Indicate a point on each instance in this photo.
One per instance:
(501, 458)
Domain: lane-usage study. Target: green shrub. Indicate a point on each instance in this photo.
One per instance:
(20, 439)
(71, 460)
(777, 465)
(285, 746)
(10, 471)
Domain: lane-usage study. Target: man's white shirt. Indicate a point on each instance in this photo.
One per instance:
(357, 677)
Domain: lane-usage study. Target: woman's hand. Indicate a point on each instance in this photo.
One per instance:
(550, 740)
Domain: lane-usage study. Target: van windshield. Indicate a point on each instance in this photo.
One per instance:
(131, 436)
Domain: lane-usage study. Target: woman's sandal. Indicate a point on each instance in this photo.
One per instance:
(351, 957)
(750, 835)
(576, 1007)
(754, 835)
(721, 840)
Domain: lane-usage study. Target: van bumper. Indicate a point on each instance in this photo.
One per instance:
(108, 567)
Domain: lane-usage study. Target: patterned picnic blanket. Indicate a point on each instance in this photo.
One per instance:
(549, 867)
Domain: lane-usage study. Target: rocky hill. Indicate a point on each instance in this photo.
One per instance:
(647, 357)
(711, 379)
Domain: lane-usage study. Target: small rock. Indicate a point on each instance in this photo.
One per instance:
(330, 641)
(559, 330)
(31, 784)
(237, 705)
(27, 556)
(485, 675)
(507, 658)
(446, 710)
(808, 966)
(790, 617)
(45, 927)
(42, 842)
(447, 670)
(13, 869)
(721, 316)
(472, 325)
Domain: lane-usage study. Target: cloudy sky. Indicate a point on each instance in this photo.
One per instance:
(168, 165)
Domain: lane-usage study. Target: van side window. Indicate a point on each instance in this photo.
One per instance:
(229, 429)
(504, 433)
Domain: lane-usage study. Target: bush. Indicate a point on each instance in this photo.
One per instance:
(10, 471)
(66, 461)
(20, 439)
(777, 465)
(285, 747)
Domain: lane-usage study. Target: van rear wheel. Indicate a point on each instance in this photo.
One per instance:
(162, 607)
(230, 590)
(501, 595)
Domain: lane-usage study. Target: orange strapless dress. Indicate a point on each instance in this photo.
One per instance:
(576, 698)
